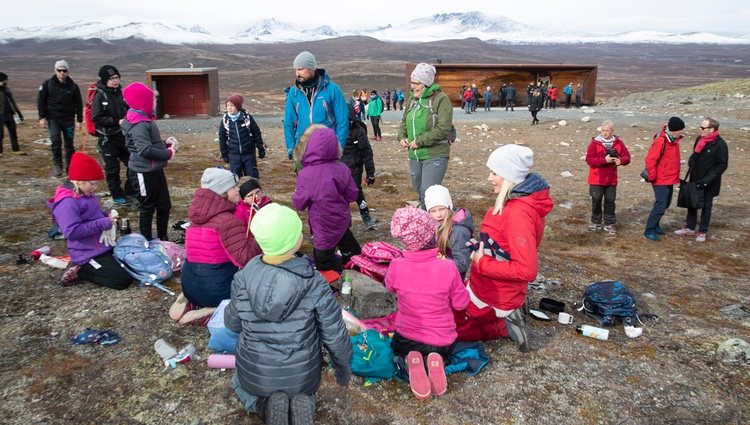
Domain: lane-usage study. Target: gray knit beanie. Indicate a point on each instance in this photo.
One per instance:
(305, 60)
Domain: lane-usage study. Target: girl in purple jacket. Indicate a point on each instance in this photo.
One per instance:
(428, 288)
(87, 229)
(325, 187)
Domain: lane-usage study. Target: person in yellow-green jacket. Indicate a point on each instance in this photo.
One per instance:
(424, 130)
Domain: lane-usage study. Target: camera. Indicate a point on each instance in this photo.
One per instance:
(611, 152)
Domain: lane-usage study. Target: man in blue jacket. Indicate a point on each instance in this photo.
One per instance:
(313, 99)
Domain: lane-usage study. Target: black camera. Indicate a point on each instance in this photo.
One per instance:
(611, 152)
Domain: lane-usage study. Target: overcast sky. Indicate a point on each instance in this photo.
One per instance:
(725, 17)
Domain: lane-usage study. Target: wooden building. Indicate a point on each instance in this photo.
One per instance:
(185, 92)
(452, 76)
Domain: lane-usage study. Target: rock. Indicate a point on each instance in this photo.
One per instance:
(733, 350)
(737, 312)
(566, 174)
(370, 299)
(566, 205)
(562, 123)
(741, 128)
(586, 119)
(564, 143)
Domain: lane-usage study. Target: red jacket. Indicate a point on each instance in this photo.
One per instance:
(664, 169)
(552, 93)
(518, 231)
(601, 172)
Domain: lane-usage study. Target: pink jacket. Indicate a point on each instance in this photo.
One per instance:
(428, 289)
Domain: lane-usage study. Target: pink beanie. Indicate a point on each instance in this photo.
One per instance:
(424, 73)
(415, 227)
(139, 96)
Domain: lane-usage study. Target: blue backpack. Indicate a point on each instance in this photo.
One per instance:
(146, 261)
(609, 300)
(372, 355)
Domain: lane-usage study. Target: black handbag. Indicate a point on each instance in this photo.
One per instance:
(689, 195)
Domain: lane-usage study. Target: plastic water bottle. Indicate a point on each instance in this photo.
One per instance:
(593, 332)
(346, 293)
(165, 350)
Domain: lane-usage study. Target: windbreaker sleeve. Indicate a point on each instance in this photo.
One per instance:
(524, 260)
(331, 325)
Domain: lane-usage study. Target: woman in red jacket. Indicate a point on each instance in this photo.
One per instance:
(507, 258)
(663, 167)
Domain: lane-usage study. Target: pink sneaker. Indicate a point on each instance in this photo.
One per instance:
(685, 232)
(199, 317)
(418, 381)
(436, 370)
(700, 237)
(70, 277)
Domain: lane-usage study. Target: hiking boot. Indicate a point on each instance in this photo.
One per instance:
(277, 409)
(302, 410)
(660, 231)
(70, 277)
(367, 219)
(58, 170)
(652, 237)
(610, 228)
(517, 329)
(685, 232)
(593, 227)
(700, 237)
(199, 317)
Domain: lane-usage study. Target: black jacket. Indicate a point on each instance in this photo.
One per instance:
(107, 109)
(8, 105)
(60, 101)
(358, 151)
(709, 165)
(240, 137)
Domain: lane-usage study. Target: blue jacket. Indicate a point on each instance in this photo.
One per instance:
(328, 107)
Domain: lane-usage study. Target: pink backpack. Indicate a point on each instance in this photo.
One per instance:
(374, 260)
(176, 253)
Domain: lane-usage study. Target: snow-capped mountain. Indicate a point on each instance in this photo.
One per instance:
(442, 26)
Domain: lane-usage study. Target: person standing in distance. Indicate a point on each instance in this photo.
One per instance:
(313, 99)
(61, 112)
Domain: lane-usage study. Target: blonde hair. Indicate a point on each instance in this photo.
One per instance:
(301, 147)
(502, 197)
(77, 188)
(443, 233)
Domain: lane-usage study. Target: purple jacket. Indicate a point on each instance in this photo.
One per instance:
(82, 221)
(326, 187)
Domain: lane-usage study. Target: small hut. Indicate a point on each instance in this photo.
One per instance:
(185, 92)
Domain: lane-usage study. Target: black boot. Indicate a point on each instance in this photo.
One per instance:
(367, 219)
(58, 170)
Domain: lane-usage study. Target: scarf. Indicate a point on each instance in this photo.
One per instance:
(606, 142)
(134, 116)
(234, 117)
(703, 141)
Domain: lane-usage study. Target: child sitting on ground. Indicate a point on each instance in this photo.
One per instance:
(251, 199)
(358, 155)
(86, 227)
(284, 311)
(325, 187)
(428, 289)
(239, 137)
(455, 227)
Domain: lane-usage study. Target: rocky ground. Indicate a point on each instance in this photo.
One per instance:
(671, 374)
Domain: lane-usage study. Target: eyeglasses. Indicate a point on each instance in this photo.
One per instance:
(62, 71)
(704, 128)
(93, 183)
(114, 77)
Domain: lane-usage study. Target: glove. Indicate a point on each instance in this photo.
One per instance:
(700, 185)
(172, 153)
(289, 155)
(20, 116)
(173, 143)
(343, 376)
(370, 180)
(109, 236)
(261, 154)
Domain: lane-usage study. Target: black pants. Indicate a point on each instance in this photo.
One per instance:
(692, 215)
(326, 259)
(67, 130)
(376, 126)
(11, 124)
(153, 194)
(113, 151)
(357, 176)
(567, 101)
(608, 194)
(402, 345)
(104, 270)
(509, 104)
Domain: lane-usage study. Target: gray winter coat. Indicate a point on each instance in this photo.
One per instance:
(283, 313)
(148, 152)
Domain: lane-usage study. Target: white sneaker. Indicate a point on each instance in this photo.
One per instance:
(701, 237)
(685, 232)
(610, 228)
(594, 227)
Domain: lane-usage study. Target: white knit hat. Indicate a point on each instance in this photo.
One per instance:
(511, 162)
(437, 195)
(218, 180)
(61, 64)
(424, 73)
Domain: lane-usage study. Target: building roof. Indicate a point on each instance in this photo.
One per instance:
(202, 70)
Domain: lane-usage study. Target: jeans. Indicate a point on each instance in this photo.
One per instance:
(249, 401)
(662, 200)
(67, 129)
(692, 215)
(426, 173)
(244, 165)
(608, 194)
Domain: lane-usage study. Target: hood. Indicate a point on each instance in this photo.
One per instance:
(534, 191)
(323, 146)
(61, 192)
(206, 205)
(462, 217)
(428, 91)
(601, 139)
(140, 98)
(275, 299)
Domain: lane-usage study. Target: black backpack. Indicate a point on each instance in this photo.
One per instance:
(609, 300)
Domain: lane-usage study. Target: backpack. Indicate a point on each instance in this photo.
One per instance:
(175, 252)
(87, 118)
(372, 355)
(609, 300)
(146, 261)
(452, 133)
(374, 260)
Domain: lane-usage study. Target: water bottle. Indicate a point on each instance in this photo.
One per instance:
(346, 293)
(165, 350)
(125, 226)
(593, 332)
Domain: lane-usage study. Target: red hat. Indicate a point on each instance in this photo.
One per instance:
(236, 100)
(84, 167)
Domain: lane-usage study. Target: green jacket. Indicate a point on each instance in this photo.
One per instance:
(375, 107)
(428, 130)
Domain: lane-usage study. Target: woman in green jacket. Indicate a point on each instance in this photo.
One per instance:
(424, 130)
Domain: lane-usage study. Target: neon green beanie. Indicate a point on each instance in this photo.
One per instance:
(276, 229)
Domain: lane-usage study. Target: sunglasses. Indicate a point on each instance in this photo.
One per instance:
(704, 128)
(62, 71)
